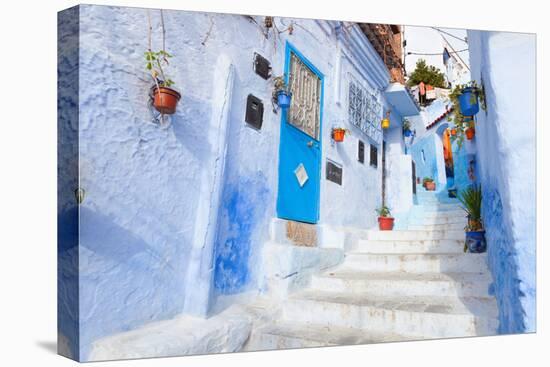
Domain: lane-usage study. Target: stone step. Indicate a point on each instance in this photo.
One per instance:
(404, 284)
(409, 247)
(415, 263)
(400, 235)
(443, 214)
(287, 335)
(411, 316)
(421, 220)
(437, 227)
(441, 207)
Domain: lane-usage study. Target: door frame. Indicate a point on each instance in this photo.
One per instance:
(291, 49)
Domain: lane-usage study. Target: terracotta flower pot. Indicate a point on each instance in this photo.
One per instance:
(338, 135)
(430, 186)
(385, 223)
(470, 133)
(453, 132)
(165, 99)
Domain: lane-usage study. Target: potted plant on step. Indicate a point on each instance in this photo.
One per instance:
(385, 220)
(471, 199)
(338, 134)
(281, 92)
(428, 183)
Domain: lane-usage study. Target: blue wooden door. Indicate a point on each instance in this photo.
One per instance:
(300, 144)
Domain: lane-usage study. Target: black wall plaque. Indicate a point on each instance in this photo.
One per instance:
(262, 67)
(334, 173)
(361, 152)
(254, 112)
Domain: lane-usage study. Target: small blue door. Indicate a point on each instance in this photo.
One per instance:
(300, 144)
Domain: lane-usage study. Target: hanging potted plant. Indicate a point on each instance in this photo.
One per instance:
(470, 133)
(407, 128)
(471, 199)
(453, 132)
(386, 121)
(281, 92)
(462, 115)
(385, 220)
(165, 98)
(428, 183)
(338, 134)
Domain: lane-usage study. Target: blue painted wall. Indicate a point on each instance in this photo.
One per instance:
(144, 181)
(507, 171)
(424, 153)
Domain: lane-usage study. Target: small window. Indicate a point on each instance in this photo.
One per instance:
(361, 152)
(373, 156)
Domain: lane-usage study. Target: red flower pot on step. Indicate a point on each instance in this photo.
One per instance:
(430, 186)
(385, 223)
(470, 133)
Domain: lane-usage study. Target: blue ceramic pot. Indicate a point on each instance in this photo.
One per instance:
(283, 99)
(407, 133)
(475, 241)
(469, 105)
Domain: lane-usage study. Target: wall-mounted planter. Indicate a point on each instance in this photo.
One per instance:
(453, 132)
(165, 100)
(407, 133)
(385, 223)
(385, 123)
(338, 134)
(468, 102)
(470, 133)
(283, 98)
(475, 242)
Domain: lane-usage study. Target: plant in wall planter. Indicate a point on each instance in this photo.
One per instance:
(386, 121)
(407, 132)
(466, 100)
(428, 183)
(470, 132)
(338, 134)
(164, 97)
(281, 92)
(471, 199)
(385, 220)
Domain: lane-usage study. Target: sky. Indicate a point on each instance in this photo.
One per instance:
(429, 40)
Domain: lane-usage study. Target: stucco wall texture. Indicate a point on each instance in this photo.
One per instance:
(505, 139)
(141, 256)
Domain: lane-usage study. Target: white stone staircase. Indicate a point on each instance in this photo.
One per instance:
(392, 285)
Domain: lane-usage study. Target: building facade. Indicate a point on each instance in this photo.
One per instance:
(177, 214)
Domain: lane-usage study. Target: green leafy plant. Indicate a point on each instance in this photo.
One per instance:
(406, 125)
(279, 84)
(428, 74)
(383, 211)
(459, 120)
(156, 61)
(471, 199)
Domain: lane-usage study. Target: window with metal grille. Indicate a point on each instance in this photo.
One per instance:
(305, 105)
(373, 156)
(365, 111)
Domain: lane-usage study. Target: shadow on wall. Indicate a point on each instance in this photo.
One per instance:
(189, 125)
(124, 281)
